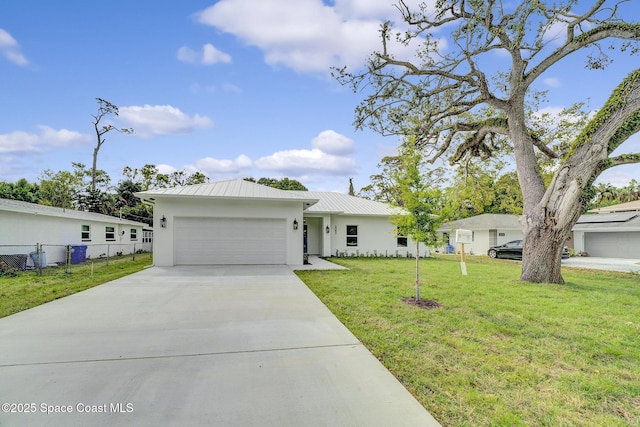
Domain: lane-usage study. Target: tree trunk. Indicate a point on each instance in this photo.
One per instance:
(542, 253)
(550, 218)
(417, 271)
(548, 224)
(94, 167)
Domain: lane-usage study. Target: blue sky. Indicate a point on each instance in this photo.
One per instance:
(232, 88)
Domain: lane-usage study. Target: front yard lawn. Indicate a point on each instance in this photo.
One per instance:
(28, 290)
(497, 351)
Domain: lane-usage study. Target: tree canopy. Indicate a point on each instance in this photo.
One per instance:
(281, 184)
(421, 200)
(457, 100)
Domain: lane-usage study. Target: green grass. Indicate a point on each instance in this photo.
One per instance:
(498, 352)
(29, 290)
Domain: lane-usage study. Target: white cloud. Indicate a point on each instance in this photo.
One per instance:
(331, 142)
(162, 120)
(556, 33)
(10, 49)
(166, 169)
(48, 138)
(209, 55)
(213, 166)
(329, 156)
(186, 54)
(551, 111)
(306, 162)
(619, 176)
(370, 9)
(305, 35)
(552, 82)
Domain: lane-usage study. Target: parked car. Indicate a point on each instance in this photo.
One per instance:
(513, 250)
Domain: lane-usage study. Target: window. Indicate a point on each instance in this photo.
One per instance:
(146, 236)
(352, 235)
(134, 234)
(401, 239)
(85, 235)
(110, 233)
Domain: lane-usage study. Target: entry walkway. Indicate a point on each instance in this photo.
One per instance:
(317, 263)
(221, 346)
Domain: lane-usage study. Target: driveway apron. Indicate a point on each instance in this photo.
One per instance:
(198, 345)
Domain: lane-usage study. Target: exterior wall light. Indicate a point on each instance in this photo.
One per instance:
(163, 222)
(295, 224)
(327, 230)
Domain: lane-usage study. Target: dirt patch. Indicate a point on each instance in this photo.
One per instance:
(422, 303)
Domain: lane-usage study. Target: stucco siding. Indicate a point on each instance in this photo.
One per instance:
(20, 232)
(482, 240)
(375, 235)
(170, 208)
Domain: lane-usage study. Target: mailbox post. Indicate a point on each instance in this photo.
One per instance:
(462, 237)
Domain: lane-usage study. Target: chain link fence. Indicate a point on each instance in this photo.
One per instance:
(42, 258)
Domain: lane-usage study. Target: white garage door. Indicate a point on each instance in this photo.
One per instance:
(229, 241)
(613, 245)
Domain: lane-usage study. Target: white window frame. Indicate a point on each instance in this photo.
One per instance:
(87, 231)
(110, 233)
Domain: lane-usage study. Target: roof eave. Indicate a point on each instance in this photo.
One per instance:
(152, 198)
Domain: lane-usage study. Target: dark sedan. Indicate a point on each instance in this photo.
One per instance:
(513, 250)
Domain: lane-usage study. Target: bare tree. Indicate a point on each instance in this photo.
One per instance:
(457, 104)
(105, 108)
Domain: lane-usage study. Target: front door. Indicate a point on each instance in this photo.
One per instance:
(304, 241)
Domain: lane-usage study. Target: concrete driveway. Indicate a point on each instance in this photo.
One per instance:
(597, 263)
(222, 346)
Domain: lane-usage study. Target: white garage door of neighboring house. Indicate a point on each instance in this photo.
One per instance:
(613, 245)
(229, 241)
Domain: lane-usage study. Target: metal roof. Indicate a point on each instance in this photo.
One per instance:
(607, 217)
(620, 221)
(233, 189)
(344, 204)
(622, 207)
(36, 209)
(485, 222)
(317, 202)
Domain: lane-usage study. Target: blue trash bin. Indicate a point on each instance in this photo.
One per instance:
(78, 254)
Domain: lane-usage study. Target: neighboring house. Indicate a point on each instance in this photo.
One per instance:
(240, 222)
(613, 231)
(23, 225)
(488, 230)
(622, 207)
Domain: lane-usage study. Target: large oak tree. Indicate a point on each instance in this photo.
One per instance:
(456, 101)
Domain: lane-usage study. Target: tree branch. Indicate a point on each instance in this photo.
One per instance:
(624, 159)
(622, 31)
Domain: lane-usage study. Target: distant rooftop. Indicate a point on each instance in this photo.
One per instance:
(36, 209)
(622, 207)
(485, 222)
